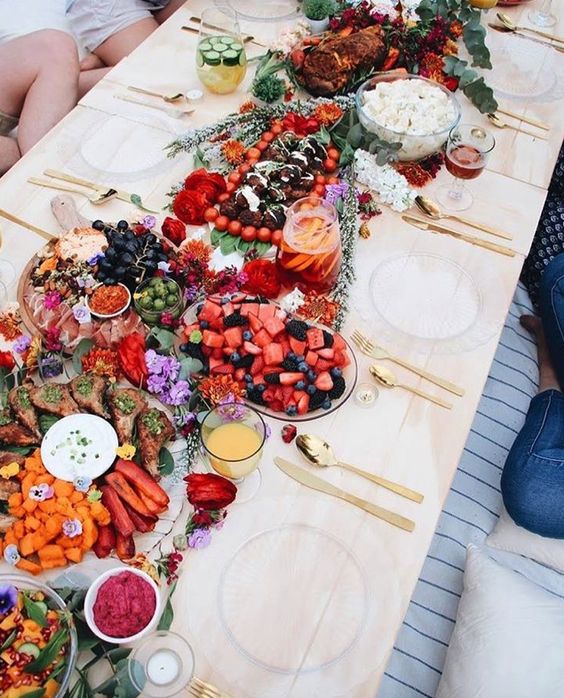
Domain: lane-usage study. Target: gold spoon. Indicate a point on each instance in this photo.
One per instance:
(318, 452)
(498, 123)
(166, 98)
(510, 24)
(97, 198)
(431, 209)
(386, 377)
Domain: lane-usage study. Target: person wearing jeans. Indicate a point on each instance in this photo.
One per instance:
(532, 482)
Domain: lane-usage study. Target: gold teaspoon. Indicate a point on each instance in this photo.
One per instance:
(167, 98)
(498, 123)
(386, 377)
(508, 22)
(318, 452)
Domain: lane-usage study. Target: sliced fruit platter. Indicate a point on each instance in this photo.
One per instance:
(80, 473)
(288, 368)
(37, 640)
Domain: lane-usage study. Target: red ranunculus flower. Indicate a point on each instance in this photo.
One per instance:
(262, 278)
(210, 184)
(209, 491)
(7, 361)
(174, 230)
(189, 206)
(451, 83)
(131, 357)
(300, 125)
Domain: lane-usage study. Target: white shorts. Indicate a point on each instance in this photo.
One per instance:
(21, 17)
(94, 21)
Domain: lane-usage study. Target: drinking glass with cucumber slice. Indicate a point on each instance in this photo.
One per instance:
(221, 61)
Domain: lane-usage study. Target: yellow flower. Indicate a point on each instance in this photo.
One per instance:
(127, 451)
(10, 470)
(32, 354)
(142, 562)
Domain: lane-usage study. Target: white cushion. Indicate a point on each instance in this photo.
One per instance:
(507, 535)
(508, 641)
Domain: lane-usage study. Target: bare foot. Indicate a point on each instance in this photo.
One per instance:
(547, 375)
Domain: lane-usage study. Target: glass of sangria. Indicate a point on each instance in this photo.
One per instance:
(233, 437)
(309, 255)
(467, 151)
(221, 62)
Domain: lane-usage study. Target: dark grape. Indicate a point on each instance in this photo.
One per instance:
(122, 225)
(98, 224)
(105, 266)
(151, 238)
(127, 258)
(108, 229)
(110, 254)
(151, 254)
(119, 272)
(109, 281)
(162, 257)
(151, 266)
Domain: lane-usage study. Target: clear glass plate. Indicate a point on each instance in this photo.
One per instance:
(263, 10)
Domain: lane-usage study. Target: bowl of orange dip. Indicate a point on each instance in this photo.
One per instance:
(109, 301)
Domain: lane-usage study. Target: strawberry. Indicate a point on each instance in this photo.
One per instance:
(223, 369)
(258, 365)
(303, 404)
(328, 353)
(324, 381)
(251, 348)
(288, 378)
(311, 358)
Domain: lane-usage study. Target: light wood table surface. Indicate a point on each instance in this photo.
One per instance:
(402, 437)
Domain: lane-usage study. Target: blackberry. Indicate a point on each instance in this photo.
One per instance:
(235, 320)
(329, 340)
(255, 395)
(317, 399)
(290, 364)
(195, 351)
(272, 378)
(338, 388)
(244, 361)
(297, 329)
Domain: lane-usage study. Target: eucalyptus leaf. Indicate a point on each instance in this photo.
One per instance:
(35, 611)
(323, 136)
(168, 614)
(188, 366)
(166, 462)
(82, 348)
(162, 339)
(136, 200)
(347, 155)
(355, 135)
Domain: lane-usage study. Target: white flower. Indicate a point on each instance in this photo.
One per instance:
(293, 301)
(389, 186)
(290, 37)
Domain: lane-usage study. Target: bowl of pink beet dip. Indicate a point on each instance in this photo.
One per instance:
(122, 605)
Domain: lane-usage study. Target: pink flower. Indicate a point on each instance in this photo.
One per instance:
(52, 299)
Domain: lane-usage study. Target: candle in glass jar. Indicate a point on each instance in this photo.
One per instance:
(163, 667)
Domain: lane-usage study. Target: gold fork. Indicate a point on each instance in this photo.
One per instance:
(377, 352)
(201, 689)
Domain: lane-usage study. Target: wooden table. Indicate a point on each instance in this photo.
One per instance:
(403, 437)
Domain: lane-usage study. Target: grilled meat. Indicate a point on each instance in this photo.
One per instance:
(19, 401)
(154, 430)
(7, 488)
(54, 398)
(328, 68)
(7, 457)
(6, 521)
(125, 405)
(14, 434)
(89, 391)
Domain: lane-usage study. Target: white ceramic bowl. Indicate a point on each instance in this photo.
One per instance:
(92, 594)
(102, 316)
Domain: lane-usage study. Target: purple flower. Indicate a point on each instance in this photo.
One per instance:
(153, 360)
(149, 222)
(199, 538)
(178, 393)
(85, 281)
(52, 300)
(182, 417)
(72, 528)
(267, 429)
(40, 493)
(96, 258)
(8, 598)
(156, 384)
(51, 366)
(190, 293)
(22, 343)
(81, 314)
(170, 368)
(231, 409)
(163, 266)
(334, 192)
(11, 554)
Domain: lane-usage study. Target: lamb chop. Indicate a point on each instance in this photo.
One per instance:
(19, 401)
(7, 457)
(125, 405)
(54, 398)
(14, 434)
(89, 391)
(154, 430)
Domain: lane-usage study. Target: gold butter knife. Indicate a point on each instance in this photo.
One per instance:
(526, 119)
(316, 483)
(24, 224)
(505, 30)
(434, 228)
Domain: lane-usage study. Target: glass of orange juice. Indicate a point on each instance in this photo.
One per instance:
(233, 437)
(309, 255)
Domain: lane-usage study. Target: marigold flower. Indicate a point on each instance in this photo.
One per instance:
(233, 151)
(455, 29)
(215, 388)
(247, 106)
(102, 362)
(327, 114)
(194, 250)
(319, 308)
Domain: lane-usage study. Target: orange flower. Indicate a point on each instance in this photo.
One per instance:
(102, 362)
(233, 152)
(455, 29)
(215, 388)
(10, 325)
(195, 250)
(319, 308)
(451, 48)
(327, 114)
(247, 106)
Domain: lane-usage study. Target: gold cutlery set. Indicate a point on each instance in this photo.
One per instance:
(194, 28)
(508, 26)
(202, 689)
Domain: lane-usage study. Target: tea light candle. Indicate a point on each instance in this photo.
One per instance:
(163, 667)
(366, 395)
(194, 96)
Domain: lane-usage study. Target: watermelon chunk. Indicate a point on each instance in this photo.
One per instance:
(251, 348)
(210, 311)
(273, 354)
(315, 339)
(258, 365)
(233, 336)
(262, 338)
(212, 339)
(311, 358)
(224, 369)
(266, 310)
(274, 326)
(297, 346)
(289, 378)
(249, 309)
(255, 324)
(339, 343)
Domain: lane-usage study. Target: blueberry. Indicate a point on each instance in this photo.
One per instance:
(326, 404)
(300, 385)
(261, 388)
(247, 336)
(303, 367)
(204, 324)
(300, 358)
(311, 375)
(291, 410)
(311, 389)
(248, 378)
(199, 308)
(336, 372)
(184, 348)
(122, 225)
(225, 300)
(98, 224)
(291, 356)
(234, 357)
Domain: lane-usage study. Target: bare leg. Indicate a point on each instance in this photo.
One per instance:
(547, 374)
(9, 153)
(38, 82)
(89, 78)
(122, 43)
(162, 15)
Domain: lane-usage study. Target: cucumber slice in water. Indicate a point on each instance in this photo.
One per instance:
(226, 40)
(220, 48)
(211, 57)
(29, 648)
(236, 46)
(231, 57)
(205, 46)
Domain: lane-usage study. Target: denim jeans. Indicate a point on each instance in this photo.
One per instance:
(532, 482)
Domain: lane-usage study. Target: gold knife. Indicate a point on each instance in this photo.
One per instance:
(526, 119)
(505, 30)
(316, 483)
(434, 228)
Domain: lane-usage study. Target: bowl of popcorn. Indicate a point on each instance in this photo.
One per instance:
(409, 109)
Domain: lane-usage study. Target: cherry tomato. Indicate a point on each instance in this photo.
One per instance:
(221, 223)
(267, 136)
(253, 154)
(262, 146)
(319, 179)
(234, 177)
(253, 161)
(334, 154)
(277, 237)
(333, 180)
(223, 197)
(330, 165)
(234, 228)
(249, 233)
(211, 214)
(264, 234)
(230, 187)
(276, 129)
(244, 168)
(319, 189)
